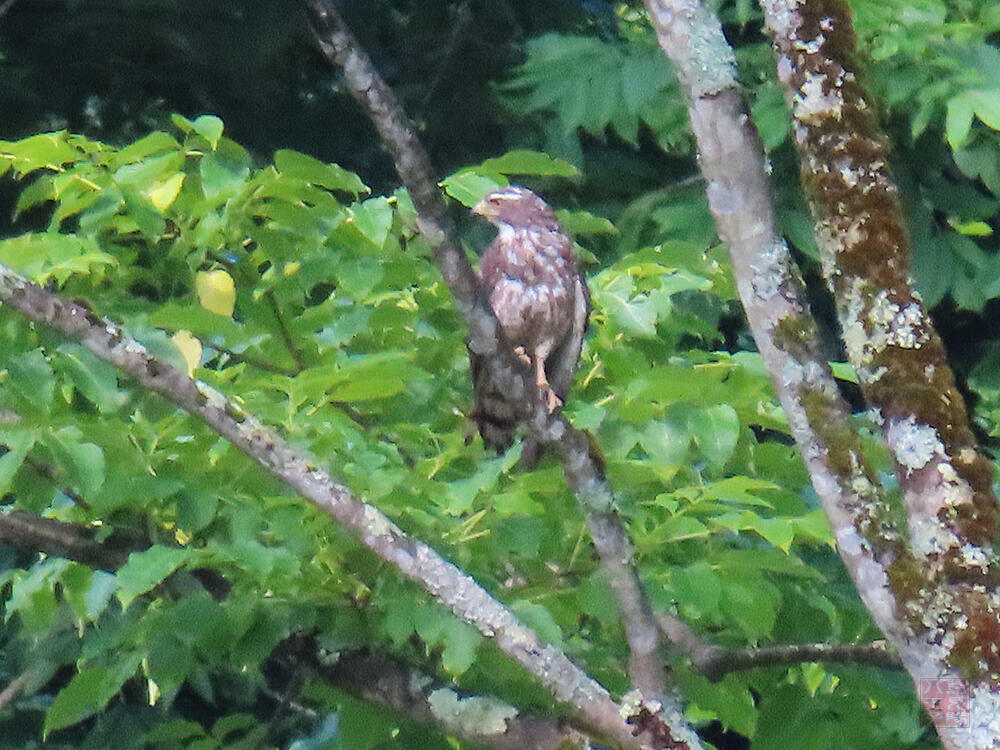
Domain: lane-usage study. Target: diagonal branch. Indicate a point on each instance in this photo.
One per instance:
(947, 591)
(772, 292)
(583, 471)
(890, 339)
(445, 582)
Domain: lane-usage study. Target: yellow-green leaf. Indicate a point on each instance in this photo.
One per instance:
(164, 194)
(216, 292)
(189, 347)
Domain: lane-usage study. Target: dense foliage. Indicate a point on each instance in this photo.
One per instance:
(287, 284)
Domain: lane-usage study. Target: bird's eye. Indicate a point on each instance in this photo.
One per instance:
(493, 200)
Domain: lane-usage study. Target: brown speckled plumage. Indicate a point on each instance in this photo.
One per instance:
(532, 279)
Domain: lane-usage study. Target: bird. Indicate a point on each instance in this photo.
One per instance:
(531, 277)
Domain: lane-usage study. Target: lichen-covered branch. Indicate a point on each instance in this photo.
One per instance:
(890, 339)
(446, 583)
(480, 720)
(947, 589)
(771, 290)
(582, 471)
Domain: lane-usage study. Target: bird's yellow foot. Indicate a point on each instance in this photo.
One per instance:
(552, 401)
(522, 355)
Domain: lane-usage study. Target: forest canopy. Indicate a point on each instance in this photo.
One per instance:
(243, 502)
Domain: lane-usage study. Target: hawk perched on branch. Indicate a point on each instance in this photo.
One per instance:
(531, 278)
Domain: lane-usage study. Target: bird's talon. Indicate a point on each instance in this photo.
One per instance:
(552, 401)
(522, 355)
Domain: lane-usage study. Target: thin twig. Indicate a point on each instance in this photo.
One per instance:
(12, 690)
(714, 662)
(254, 362)
(286, 336)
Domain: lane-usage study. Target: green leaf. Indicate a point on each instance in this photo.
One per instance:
(88, 591)
(958, 120)
(45, 255)
(468, 188)
(462, 493)
(154, 143)
(96, 380)
(47, 150)
(143, 174)
(82, 460)
(461, 641)
(666, 443)
(770, 115)
(539, 619)
(17, 442)
(632, 315)
(778, 531)
(844, 371)
(31, 376)
(370, 388)
(987, 105)
(751, 602)
(40, 191)
(210, 128)
(584, 222)
(312, 170)
(227, 725)
(147, 218)
(147, 569)
(87, 693)
(222, 174)
(739, 489)
(679, 528)
(373, 218)
(32, 596)
(525, 162)
(698, 587)
(174, 731)
(814, 525)
(716, 431)
(597, 599)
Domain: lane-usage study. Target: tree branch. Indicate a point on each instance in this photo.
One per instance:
(12, 690)
(714, 662)
(947, 589)
(772, 292)
(583, 473)
(58, 538)
(482, 721)
(890, 339)
(445, 582)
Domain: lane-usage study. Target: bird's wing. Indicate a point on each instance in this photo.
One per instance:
(563, 360)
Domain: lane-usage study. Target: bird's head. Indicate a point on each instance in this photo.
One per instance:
(515, 207)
